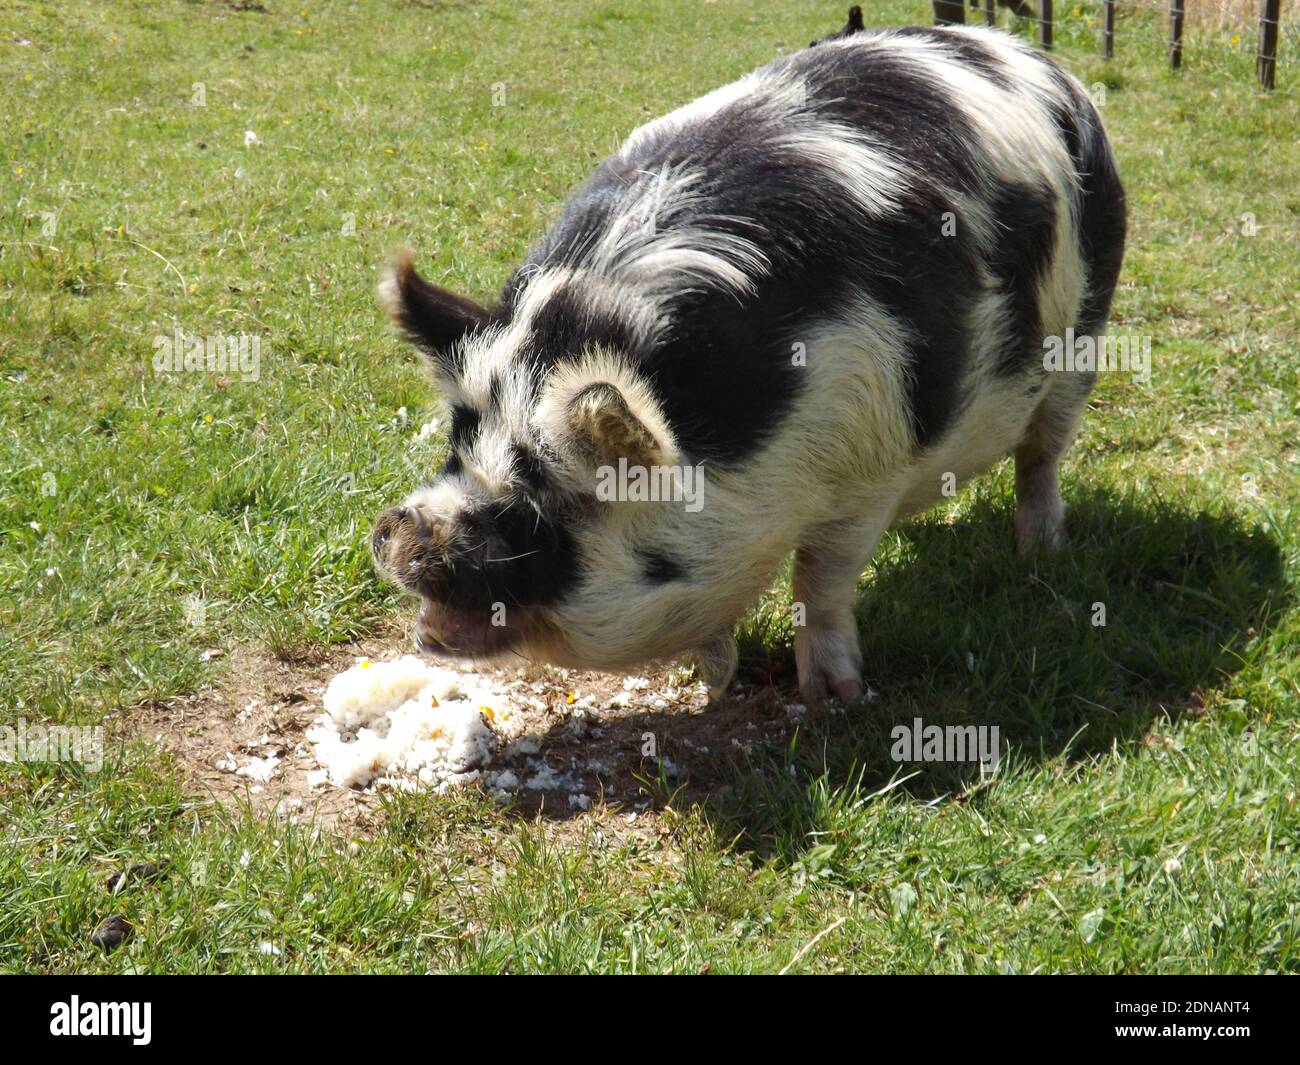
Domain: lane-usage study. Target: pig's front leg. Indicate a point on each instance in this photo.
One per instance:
(715, 663)
(827, 565)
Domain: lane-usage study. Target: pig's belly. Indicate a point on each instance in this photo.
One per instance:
(991, 427)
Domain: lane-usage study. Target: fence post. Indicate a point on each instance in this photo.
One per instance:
(1109, 50)
(1270, 14)
(1045, 25)
(990, 15)
(949, 12)
(1175, 34)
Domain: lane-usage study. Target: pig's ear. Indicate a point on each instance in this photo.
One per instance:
(430, 317)
(599, 409)
(603, 424)
(855, 19)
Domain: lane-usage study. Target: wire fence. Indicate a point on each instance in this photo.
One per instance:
(1264, 16)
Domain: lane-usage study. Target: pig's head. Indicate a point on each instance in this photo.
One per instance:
(513, 548)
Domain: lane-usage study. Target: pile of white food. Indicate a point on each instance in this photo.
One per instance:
(406, 724)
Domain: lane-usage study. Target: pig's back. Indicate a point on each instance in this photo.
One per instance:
(950, 184)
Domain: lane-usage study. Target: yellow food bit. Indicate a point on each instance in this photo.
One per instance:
(364, 663)
(436, 704)
(572, 698)
(491, 716)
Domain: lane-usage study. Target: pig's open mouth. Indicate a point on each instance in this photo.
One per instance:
(459, 632)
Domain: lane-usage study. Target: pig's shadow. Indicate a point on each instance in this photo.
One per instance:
(1148, 609)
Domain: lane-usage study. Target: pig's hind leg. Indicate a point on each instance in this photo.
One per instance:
(1040, 511)
(827, 564)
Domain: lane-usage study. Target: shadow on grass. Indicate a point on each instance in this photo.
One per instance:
(1148, 607)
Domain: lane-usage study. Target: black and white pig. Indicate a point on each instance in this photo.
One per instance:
(825, 289)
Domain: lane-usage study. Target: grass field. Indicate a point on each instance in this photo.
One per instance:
(1147, 818)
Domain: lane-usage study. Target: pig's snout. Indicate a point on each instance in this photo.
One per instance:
(403, 544)
(385, 525)
(426, 555)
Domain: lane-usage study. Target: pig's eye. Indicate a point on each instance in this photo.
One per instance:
(528, 468)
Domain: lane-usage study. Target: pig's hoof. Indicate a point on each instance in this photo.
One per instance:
(847, 688)
(830, 665)
(1048, 539)
(716, 663)
(1040, 527)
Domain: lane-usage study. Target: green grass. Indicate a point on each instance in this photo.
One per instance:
(1171, 735)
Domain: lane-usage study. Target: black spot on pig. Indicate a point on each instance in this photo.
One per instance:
(569, 323)
(657, 567)
(1025, 217)
(464, 425)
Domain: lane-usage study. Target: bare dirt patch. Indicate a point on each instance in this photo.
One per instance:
(589, 745)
